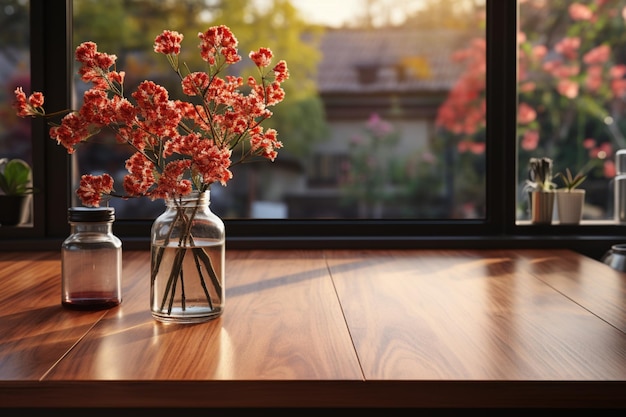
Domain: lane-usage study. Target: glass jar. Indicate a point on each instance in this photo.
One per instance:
(91, 259)
(616, 257)
(187, 263)
(619, 187)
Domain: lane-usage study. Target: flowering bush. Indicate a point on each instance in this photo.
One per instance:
(179, 146)
(571, 87)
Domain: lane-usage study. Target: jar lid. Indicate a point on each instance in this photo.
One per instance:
(91, 214)
(619, 248)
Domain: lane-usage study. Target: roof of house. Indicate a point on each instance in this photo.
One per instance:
(399, 59)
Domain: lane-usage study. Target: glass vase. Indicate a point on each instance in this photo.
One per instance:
(187, 261)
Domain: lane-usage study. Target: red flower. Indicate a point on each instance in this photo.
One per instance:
(168, 42)
(179, 146)
(92, 187)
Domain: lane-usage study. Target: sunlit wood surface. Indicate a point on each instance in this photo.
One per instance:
(331, 328)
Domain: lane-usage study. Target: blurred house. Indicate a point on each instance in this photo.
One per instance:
(402, 74)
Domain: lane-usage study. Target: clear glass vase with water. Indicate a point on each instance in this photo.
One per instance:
(187, 261)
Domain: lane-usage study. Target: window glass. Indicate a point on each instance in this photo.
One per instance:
(571, 90)
(15, 132)
(384, 115)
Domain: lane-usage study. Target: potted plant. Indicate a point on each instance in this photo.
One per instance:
(540, 189)
(570, 199)
(15, 189)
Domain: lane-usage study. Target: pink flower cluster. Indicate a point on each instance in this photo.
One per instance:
(573, 66)
(465, 109)
(179, 146)
(573, 71)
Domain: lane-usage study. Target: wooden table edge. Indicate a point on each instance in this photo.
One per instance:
(313, 394)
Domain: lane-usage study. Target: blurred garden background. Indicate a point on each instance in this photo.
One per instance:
(384, 115)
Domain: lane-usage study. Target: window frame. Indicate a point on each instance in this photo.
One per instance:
(51, 61)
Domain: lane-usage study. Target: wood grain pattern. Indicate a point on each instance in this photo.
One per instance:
(474, 315)
(283, 322)
(328, 328)
(593, 285)
(35, 331)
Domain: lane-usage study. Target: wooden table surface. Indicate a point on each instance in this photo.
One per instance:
(328, 328)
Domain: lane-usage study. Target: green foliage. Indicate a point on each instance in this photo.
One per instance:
(125, 28)
(110, 25)
(302, 125)
(571, 182)
(300, 120)
(15, 177)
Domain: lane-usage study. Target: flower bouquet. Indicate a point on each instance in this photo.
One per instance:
(180, 147)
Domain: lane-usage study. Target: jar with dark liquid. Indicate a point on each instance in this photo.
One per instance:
(91, 258)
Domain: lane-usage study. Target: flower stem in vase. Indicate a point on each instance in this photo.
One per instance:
(188, 272)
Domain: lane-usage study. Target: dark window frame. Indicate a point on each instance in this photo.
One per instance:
(52, 57)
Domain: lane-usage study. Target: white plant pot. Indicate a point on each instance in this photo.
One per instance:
(570, 205)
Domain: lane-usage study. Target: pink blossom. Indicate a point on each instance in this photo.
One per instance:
(598, 55)
(73, 130)
(94, 64)
(527, 87)
(463, 112)
(219, 40)
(618, 87)
(92, 187)
(568, 88)
(525, 113)
(97, 109)
(378, 126)
(141, 175)
(589, 143)
(171, 183)
(265, 145)
(477, 148)
(28, 107)
(168, 42)
(174, 141)
(261, 58)
(617, 71)
(578, 11)
(530, 140)
(568, 47)
(281, 73)
(539, 52)
(195, 84)
(594, 78)
(609, 169)
(274, 94)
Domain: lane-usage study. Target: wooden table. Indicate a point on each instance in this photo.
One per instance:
(328, 328)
